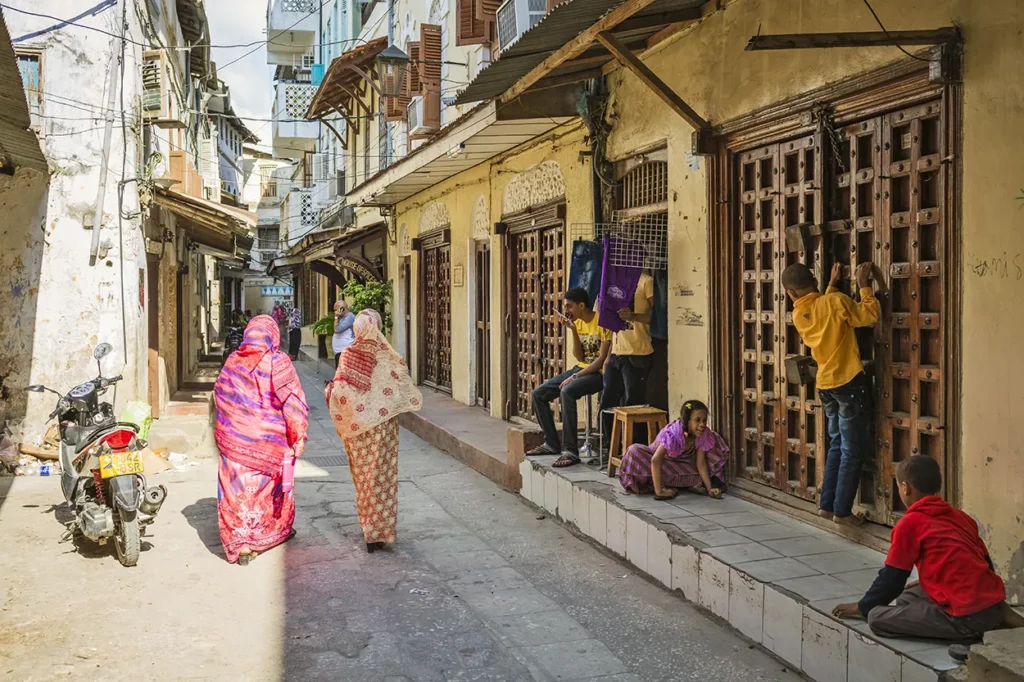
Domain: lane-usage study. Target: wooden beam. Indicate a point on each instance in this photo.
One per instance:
(805, 41)
(648, 78)
(330, 126)
(576, 46)
(367, 78)
(567, 79)
(659, 19)
(667, 32)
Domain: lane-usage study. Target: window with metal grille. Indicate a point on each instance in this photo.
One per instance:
(645, 185)
(29, 65)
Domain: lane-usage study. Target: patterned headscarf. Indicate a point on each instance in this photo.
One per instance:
(372, 384)
(295, 319)
(262, 413)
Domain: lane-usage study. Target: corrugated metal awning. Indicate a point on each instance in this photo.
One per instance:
(18, 143)
(218, 226)
(561, 26)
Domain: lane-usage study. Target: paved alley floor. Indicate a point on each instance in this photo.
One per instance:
(479, 587)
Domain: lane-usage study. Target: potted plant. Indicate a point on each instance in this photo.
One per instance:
(376, 295)
(323, 328)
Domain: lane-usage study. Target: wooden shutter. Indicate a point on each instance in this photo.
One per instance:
(412, 76)
(430, 61)
(470, 26)
(397, 108)
(432, 109)
(487, 10)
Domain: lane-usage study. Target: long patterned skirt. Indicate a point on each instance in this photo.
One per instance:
(676, 472)
(253, 510)
(373, 461)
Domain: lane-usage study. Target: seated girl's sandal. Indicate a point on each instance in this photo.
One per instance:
(666, 498)
(566, 460)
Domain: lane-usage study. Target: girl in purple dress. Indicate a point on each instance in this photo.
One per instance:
(685, 454)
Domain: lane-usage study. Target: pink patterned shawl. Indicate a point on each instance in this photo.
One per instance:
(372, 384)
(262, 413)
(673, 437)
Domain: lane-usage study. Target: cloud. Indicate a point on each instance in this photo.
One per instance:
(235, 22)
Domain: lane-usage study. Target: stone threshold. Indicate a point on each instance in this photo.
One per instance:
(772, 577)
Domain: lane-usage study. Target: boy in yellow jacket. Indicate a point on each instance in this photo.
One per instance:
(826, 322)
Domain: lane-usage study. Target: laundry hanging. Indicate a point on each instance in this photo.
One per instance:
(618, 282)
(585, 268)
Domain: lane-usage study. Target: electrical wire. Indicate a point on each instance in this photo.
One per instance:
(886, 32)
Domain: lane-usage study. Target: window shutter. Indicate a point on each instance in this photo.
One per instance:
(153, 85)
(397, 108)
(432, 109)
(430, 62)
(471, 28)
(487, 10)
(413, 74)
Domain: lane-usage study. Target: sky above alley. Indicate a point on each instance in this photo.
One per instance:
(234, 22)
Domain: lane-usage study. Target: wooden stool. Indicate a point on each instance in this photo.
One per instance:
(625, 418)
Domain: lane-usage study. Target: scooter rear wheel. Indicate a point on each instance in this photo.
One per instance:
(127, 540)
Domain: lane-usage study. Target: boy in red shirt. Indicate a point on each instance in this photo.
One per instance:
(959, 596)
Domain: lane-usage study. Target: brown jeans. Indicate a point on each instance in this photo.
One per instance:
(915, 615)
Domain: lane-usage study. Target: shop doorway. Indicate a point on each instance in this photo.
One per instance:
(534, 286)
(436, 254)
(872, 187)
(483, 323)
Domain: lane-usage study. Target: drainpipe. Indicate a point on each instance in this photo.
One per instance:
(108, 129)
(388, 151)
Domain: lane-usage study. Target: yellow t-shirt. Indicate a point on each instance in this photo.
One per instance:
(826, 323)
(592, 335)
(635, 339)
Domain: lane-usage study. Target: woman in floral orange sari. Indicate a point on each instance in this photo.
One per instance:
(370, 389)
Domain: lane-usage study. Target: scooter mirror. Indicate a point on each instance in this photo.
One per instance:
(101, 351)
(36, 388)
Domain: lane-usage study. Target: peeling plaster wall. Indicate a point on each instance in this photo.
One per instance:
(721, 81)
(23, 207)
(460, 197)
(79, 305)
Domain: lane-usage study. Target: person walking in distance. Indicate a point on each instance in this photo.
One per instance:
(826, 323)
(343, 335)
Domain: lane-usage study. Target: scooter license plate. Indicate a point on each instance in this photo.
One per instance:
(120, 464)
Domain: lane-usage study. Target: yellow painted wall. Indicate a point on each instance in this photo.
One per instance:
(709, 68)
(459, 195)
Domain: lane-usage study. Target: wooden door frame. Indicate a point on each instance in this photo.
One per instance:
(896, 86)
(550, 215)
(153, 331)
(478, 247)
(434, 239)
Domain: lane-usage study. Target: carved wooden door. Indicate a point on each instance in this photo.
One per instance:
(536, 332)
(483, 324)
(782, 430)
(437, 336)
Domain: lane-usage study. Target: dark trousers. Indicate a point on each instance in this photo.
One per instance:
(850, 426)
(337, 359)
(625, 383)
(580, 387)
(915, 615)
(294, 340)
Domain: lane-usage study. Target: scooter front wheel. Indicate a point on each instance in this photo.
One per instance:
(127, 540)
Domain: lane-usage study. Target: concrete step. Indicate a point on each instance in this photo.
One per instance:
(771, 577)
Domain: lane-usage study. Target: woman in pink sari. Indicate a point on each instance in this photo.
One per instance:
(261, 428)
(370, 389)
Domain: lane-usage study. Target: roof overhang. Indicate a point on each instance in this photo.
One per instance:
(483, 133)
(345, 80)
(216, 226)
(19, 146)
(284, 265)
(564, 46)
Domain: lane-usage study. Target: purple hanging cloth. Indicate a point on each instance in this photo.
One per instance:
(618, 283)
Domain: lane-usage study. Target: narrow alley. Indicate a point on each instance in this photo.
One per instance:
(479, 587)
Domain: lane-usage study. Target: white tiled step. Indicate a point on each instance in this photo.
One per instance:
(771, 577)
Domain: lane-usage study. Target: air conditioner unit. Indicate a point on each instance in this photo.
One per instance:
(159, 105)
(415, 118)
(516, 17)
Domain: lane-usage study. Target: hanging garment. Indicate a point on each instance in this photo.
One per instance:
(585, 268)
(618, 282)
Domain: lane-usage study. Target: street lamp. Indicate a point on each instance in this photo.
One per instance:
(392, 64)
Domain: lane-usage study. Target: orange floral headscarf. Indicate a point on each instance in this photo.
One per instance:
(372, 384)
